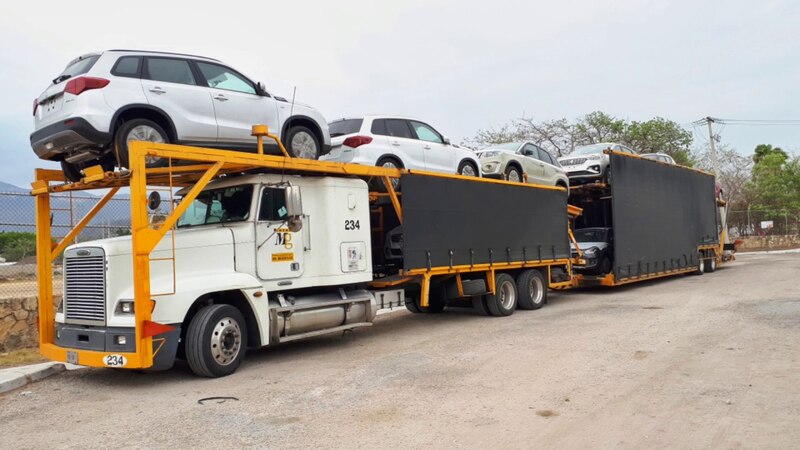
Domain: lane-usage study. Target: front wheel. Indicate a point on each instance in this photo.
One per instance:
(513, 174)
(216, 341)
(302, 143)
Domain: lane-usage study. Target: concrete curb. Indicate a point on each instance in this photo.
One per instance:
(17, 377)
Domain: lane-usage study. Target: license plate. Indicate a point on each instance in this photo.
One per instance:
(115, 361)
(72, 357)
(52, 105)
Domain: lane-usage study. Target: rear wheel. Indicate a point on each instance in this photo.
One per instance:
(504, 300)
(139, 130)
(301, 142)
(711, 264)
(532, 289)
(216, 341)
(467, 169)
(513, 174)
(479, 304)
(701, 265)
(72, 172)
(388, 163)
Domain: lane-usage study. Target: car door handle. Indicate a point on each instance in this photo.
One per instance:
(157, 90)
(221, 98)
(426, 147)
(395, 143)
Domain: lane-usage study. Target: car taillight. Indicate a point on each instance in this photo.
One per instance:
(77, 85)
(355, 141)
(35, 105)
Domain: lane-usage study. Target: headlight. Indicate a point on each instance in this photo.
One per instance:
(590, 251)
(489, 154)
(125, 307)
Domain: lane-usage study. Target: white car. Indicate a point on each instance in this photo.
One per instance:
(512, 160)
(589, 163)
(391, 141)
(105, 100)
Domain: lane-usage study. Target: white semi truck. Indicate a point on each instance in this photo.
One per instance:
(248, 260)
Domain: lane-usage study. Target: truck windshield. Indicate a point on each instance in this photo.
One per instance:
(231, 204)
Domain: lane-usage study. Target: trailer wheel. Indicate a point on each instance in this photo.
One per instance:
(532, 289)
(504, 300)
(437, 300)
(216, 341)
(479, 304)
(411, 304)
(711, 264)
(701, 265)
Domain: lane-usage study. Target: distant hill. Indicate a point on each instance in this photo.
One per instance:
(8, 187)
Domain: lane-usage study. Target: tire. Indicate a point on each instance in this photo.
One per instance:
(532, 289)
(142, 130)
(468, 169)
(605, 265)
(301, 142)
(411, 304)
(513, 174)
(212, 330)
(701, 265)
(607, 176)
(72, 172)
(437, 299)
(710, 265)
(479, 304)
(504, 301)
(390, 163)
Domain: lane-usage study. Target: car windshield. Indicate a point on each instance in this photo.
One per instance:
(346, 126)
(77, 67)
(591, 235)
(231, 204)
(590, 149)
(506, 146)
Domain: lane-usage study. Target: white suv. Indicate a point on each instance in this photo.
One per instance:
(391, 141)
(104, 100)
(589, 163)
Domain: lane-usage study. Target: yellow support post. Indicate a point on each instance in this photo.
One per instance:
(44, 266)
(393, 195)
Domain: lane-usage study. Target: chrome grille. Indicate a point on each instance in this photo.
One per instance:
(573, 161)
(85, 285)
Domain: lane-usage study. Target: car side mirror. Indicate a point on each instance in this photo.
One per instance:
(261, 90)
(446, 140)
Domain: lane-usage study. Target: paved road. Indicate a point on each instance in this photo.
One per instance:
(688, 362)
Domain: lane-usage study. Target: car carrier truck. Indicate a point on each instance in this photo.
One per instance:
(260, 250)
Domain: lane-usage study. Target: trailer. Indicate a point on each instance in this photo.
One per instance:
(664, 220)
(257, 250)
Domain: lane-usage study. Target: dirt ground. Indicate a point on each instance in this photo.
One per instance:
(707, 361)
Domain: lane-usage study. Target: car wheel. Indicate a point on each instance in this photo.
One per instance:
(532, 289)
(139, 130)
(504, 300)
(72, 172)
(467, 169)
(302, 143)
(605, 265)
(388, 163)
(216, 341)
(513, 174)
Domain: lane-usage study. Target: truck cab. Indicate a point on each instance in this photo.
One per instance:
(254, 260)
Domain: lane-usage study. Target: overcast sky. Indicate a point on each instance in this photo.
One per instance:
(460, 65)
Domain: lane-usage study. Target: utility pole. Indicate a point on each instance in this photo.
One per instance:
(712, 143)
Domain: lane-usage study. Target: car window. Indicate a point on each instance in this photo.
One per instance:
(545, 157)
(398, 128)
(170, 70)
(221, 77)
(78, 67)
(273, 205)
(345, 126)
(127, 66)
(379, 127)
(426, 133)
(626, 150)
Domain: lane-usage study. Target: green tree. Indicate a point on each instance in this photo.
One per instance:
(775, 184)
(17, 245)
(763, 150)
(660, 135)
(598, 127)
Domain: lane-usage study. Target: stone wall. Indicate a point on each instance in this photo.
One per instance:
(18, 323)
(776, 242)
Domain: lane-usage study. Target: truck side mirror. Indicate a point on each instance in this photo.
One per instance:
(294, 203)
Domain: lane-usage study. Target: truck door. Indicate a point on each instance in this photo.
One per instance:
(280, 251)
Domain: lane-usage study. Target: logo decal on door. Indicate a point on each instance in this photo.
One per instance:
(283, 236)
(283, 257)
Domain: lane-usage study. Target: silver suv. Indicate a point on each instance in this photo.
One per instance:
(102, 101)
(589, 163)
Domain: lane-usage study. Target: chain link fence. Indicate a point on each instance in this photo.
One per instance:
(18, 233)
(761, 223)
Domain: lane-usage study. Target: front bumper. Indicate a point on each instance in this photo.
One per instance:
(67, 136)
(77, 338)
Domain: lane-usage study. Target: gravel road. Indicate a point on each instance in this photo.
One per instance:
(707, 361)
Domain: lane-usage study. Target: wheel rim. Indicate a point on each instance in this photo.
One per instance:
(513, 175)
(536, 291)
(468, 170)
(713, 264)
(508, 297)
(702, 266)
(391, 165)
(304, 145)
(226, 341)
(148, 134)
